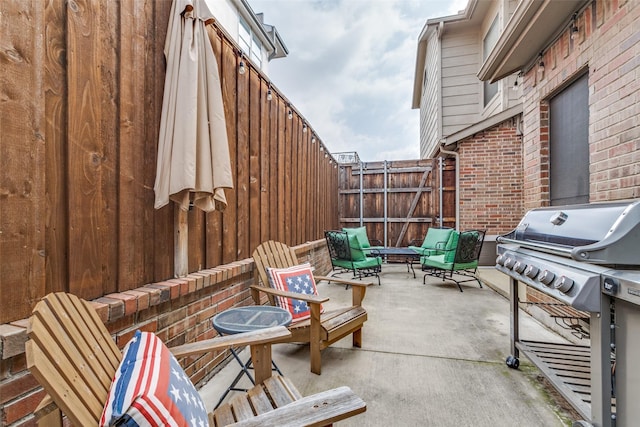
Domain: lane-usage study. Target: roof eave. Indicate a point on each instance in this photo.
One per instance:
(421, 55)
(533, 25)
(485, 124)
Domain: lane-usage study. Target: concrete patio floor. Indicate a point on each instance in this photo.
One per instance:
(431, 356)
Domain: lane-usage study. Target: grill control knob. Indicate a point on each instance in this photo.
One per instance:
(546, 278)
(564, 285)
(508, 263)
(519, 267)
(531, 271)
(500, 259)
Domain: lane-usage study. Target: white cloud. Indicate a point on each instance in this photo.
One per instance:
(350, 69)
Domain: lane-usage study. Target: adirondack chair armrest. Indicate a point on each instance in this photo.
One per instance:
(310, 299)
(261, 336)
(342, 281)
(318, 409)
(358, 288)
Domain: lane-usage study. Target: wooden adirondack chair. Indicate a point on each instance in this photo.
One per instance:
(72, 355)
(321, 329)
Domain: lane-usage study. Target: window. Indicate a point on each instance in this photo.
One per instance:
(569, 144)
(249, 43)
(490, 40)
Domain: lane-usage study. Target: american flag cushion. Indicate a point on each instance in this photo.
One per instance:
(150, 388)
(297, 279)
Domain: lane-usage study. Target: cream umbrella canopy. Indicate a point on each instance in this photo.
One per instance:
(193, 150)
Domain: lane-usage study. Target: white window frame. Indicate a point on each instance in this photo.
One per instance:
(249, 42)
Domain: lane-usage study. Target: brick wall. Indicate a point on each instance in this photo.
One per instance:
(607, 47)
(177, 310)
(491, 179)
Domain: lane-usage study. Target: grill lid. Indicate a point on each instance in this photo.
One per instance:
(598, 233)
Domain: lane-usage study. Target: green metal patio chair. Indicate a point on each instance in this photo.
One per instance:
(459, 257)
(363, 239)
(434, 242)
(347, 255)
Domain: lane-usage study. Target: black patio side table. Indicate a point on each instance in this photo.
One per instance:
(246, 319)
(410, 256)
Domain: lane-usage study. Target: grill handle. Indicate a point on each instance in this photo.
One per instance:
(565, 252)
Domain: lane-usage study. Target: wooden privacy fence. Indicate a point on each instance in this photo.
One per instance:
(397, 200)
(81, 89)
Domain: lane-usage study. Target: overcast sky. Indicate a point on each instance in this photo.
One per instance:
(350, 69)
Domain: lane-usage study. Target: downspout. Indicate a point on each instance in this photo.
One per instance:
(361, 195)
(440, 190)
(455, 155)
(386, 194)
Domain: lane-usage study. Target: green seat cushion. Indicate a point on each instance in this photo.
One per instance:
(437, 238)
(361, 235)
(357, 254)
(450, 248)
(438, 261)
(368, 262)
(425, 251)
(432, 260)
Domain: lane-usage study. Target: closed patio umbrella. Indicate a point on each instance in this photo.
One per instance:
(193, 151)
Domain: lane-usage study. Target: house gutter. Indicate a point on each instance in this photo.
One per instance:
(456, 156)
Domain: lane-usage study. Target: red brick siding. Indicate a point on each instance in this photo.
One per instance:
(490, 185)
(608, 46)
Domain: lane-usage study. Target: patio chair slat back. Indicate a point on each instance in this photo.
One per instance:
(72, 356)
(275, 255)
(320, 330)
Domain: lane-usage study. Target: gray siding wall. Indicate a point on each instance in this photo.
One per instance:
(430, 100)
(452, 96)
(461, 89)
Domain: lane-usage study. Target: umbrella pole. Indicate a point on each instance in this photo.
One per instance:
(181, 241)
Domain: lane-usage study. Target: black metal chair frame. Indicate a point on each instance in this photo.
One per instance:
(467, 250)
(339, 249)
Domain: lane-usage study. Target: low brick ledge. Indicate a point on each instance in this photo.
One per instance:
(111, 307)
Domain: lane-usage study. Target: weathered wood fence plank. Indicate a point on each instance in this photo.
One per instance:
(400, 209)
(230, 96)
(82, 88)
(22, 156)
(85, 149)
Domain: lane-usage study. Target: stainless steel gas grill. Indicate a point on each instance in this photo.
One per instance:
(587, 257)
